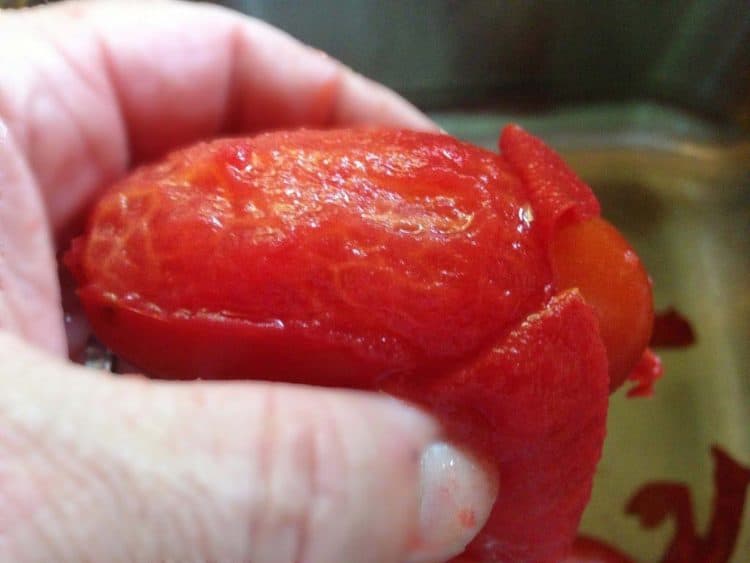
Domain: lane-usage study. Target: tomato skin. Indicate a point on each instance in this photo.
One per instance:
(558, 196)
(587, 252)
(536, 405)
(591, 550)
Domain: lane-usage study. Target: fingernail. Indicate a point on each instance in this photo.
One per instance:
(456, 497)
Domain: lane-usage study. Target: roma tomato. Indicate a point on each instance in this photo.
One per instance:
(363, 253)
(475, 284)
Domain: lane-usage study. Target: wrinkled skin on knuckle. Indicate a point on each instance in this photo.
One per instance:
(51, 474)
(320, 494)
(78, 482)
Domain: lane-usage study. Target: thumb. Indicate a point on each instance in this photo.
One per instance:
(103, 468)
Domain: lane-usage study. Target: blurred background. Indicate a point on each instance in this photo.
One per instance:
(443, 54)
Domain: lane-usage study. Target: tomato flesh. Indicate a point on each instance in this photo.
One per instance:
(408, 251)
(594, 257)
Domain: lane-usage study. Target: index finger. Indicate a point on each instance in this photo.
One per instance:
(102, 85)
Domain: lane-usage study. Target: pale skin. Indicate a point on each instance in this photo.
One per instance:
(95, 467)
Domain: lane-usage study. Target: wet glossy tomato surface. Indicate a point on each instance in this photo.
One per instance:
(482, 286)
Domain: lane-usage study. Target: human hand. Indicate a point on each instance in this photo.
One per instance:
(102, 468)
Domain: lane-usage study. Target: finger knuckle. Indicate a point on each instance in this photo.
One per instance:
(304, 471)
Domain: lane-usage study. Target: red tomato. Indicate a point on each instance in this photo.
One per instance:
(365, 253)
(391, 260)
(591, 550)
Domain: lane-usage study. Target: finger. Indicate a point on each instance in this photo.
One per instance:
(29, 294)
(89, 87)
(124, 469)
